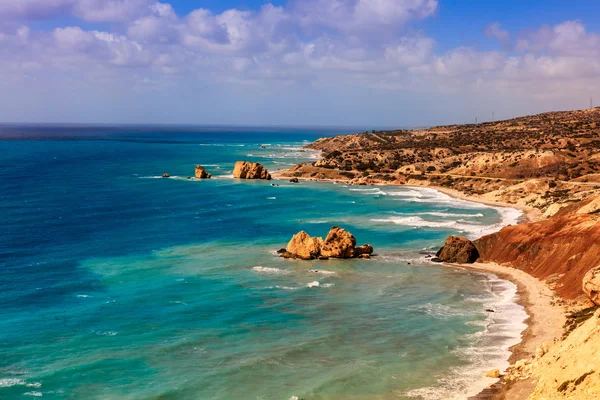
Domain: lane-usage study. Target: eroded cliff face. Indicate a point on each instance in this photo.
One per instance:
(571, 369)
(563, 247)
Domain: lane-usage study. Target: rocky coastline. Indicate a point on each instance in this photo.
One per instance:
(551, 255)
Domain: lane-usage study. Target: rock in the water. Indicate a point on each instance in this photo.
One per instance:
(304, 247)
(294, 180)
(494, 373)
(201, 173)
(166, 175)
(364, 250)
(458, 250)
(248, 170)
(591, 285)
(339, 243)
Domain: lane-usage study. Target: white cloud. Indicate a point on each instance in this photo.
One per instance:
(494, 30)
(89, 10)
(318, 43)
(355, 16)
(34, 8)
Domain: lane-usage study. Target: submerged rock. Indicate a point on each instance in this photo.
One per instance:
(591, 285)
(248, 170)
(458, 250)
(339, 243)
(201, 173)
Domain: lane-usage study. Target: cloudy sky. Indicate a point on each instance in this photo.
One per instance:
(295, 62)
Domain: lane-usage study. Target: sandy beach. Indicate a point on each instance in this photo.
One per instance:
(530, 214)
(544, 324)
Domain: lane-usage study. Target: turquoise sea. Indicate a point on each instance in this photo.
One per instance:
(118, 284)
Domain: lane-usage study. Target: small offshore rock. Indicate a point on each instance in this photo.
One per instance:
(166, 175)
(294, 180)
(201, 173)
(248, 170)
(288, 255)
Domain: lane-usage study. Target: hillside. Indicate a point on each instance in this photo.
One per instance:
(535, 161)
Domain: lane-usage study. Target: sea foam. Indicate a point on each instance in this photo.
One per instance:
(490, 349)
(269, 271)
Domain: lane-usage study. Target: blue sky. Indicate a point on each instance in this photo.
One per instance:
(298, 62)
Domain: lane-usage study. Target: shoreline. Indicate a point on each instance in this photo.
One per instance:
(530, 214)
(544, 324)
(545, 320)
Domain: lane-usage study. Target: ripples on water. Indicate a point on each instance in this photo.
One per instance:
(114, 285)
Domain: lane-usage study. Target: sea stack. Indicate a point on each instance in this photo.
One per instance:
(248, 170)
(339, 243)
(201, 173)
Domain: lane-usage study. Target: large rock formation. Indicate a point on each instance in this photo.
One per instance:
(458, 250)
(201, 173)
(562, 246)
(304, 247)
(591, 285)
(248, 170)
(339, 243)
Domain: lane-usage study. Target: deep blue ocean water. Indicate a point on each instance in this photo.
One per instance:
(118, 284)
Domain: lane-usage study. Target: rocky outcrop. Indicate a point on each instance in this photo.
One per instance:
(248, 170)
(339, 243)
(201, 173)
(564, 247)
(304, 247)
(166, 175)
(591, 285)
(458, 250)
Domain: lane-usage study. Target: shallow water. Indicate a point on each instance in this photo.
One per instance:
(115, 283)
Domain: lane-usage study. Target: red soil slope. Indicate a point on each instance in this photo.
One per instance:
(566, 245)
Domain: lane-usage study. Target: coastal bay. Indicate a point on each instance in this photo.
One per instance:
(177, 289)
